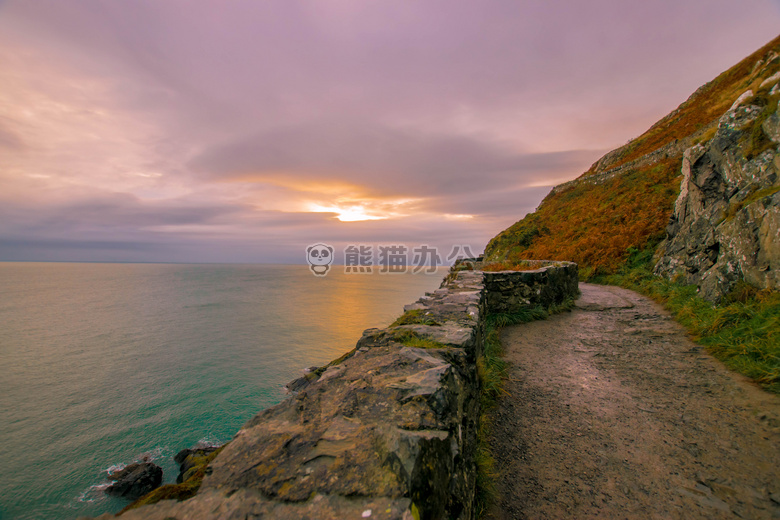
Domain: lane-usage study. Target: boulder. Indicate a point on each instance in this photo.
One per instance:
(135, 480)
(190, 458)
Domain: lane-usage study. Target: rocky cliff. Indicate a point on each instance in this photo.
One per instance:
(388, 430)
(726, 221)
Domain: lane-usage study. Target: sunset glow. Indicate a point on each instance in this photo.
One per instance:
(347, 213)
(125, 137)
(354, 210)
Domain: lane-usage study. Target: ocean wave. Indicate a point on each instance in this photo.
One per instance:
(208, 442)
(154, 454)
(93, 493)
(115, 467)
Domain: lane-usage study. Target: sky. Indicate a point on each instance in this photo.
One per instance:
(244, 131)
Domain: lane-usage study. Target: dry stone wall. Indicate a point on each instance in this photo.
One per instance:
(387, 431)
(510, 291)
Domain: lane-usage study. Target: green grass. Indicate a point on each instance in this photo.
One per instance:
(413, 317)
(492, 371)
(409, 338)
(743, 331)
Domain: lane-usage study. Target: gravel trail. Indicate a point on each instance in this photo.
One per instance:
(612, 412)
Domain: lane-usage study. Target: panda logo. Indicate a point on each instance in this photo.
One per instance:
(319, 256)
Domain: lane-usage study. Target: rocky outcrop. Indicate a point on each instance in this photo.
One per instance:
(603, 172)
(135, 480)
(386, 431)
(189, 459)
(726, 221)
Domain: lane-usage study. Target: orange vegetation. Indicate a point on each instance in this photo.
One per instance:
(594, 224)
(513, 266)
(705, 106)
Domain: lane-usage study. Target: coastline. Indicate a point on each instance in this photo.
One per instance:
(386, 431)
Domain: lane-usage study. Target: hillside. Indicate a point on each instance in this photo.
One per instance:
(625, 200)
(687, 213)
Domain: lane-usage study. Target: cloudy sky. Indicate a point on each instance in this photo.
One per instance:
(244, 130)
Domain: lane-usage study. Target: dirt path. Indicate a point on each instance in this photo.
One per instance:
(612, 412)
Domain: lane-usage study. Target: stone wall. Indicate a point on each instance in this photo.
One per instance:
(388, 430)
(510, 291)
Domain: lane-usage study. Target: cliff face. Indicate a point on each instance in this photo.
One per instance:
(703, 182)
(726, 221)
(387, 431)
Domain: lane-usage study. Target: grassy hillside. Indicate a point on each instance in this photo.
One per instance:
(610, 223)
(598, 223)
(704, 107)
(594, 225)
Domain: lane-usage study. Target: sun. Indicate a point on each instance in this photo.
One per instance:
(352, 213)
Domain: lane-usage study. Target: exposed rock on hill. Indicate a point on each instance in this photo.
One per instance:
(726, 221)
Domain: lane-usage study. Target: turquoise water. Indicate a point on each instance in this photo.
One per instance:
(103, 364)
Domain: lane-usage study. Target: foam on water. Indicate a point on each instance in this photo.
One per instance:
(95, 492)
(207, 443)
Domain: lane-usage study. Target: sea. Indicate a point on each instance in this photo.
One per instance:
(102, 365)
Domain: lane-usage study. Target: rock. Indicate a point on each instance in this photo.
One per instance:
(135, 480)
(726, 221)
(741, 99)
(296, 385)
(771, 80)
(190, 458)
